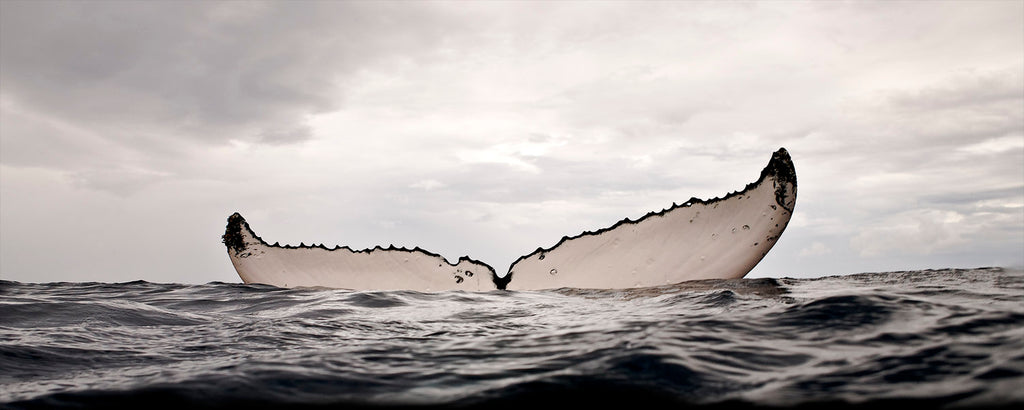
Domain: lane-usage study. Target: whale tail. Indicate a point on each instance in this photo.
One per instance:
(720, 238)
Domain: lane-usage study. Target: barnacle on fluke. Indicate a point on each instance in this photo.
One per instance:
(719, 238)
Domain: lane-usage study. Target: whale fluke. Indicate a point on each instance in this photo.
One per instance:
(720, 238)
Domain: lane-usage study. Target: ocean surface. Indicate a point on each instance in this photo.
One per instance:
(922, 339)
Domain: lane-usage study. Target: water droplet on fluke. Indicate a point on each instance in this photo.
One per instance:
(553, 271)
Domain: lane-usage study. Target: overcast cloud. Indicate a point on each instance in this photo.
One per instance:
(130, 131)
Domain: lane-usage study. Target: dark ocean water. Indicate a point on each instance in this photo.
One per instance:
(937, 338)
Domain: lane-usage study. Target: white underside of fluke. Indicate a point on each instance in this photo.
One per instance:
(722, 238)
(378, 269)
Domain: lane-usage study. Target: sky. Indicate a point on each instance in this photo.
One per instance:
(130, 131)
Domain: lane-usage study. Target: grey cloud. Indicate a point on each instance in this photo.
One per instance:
(926, 130)
(966, 108)
(205, 71)
(121, 182)
(636, 103)
(98, 89)
(286, 136)
(971, 197)
(964, 90)
(29, 141)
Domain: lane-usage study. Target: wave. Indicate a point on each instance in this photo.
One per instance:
(949, 338)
